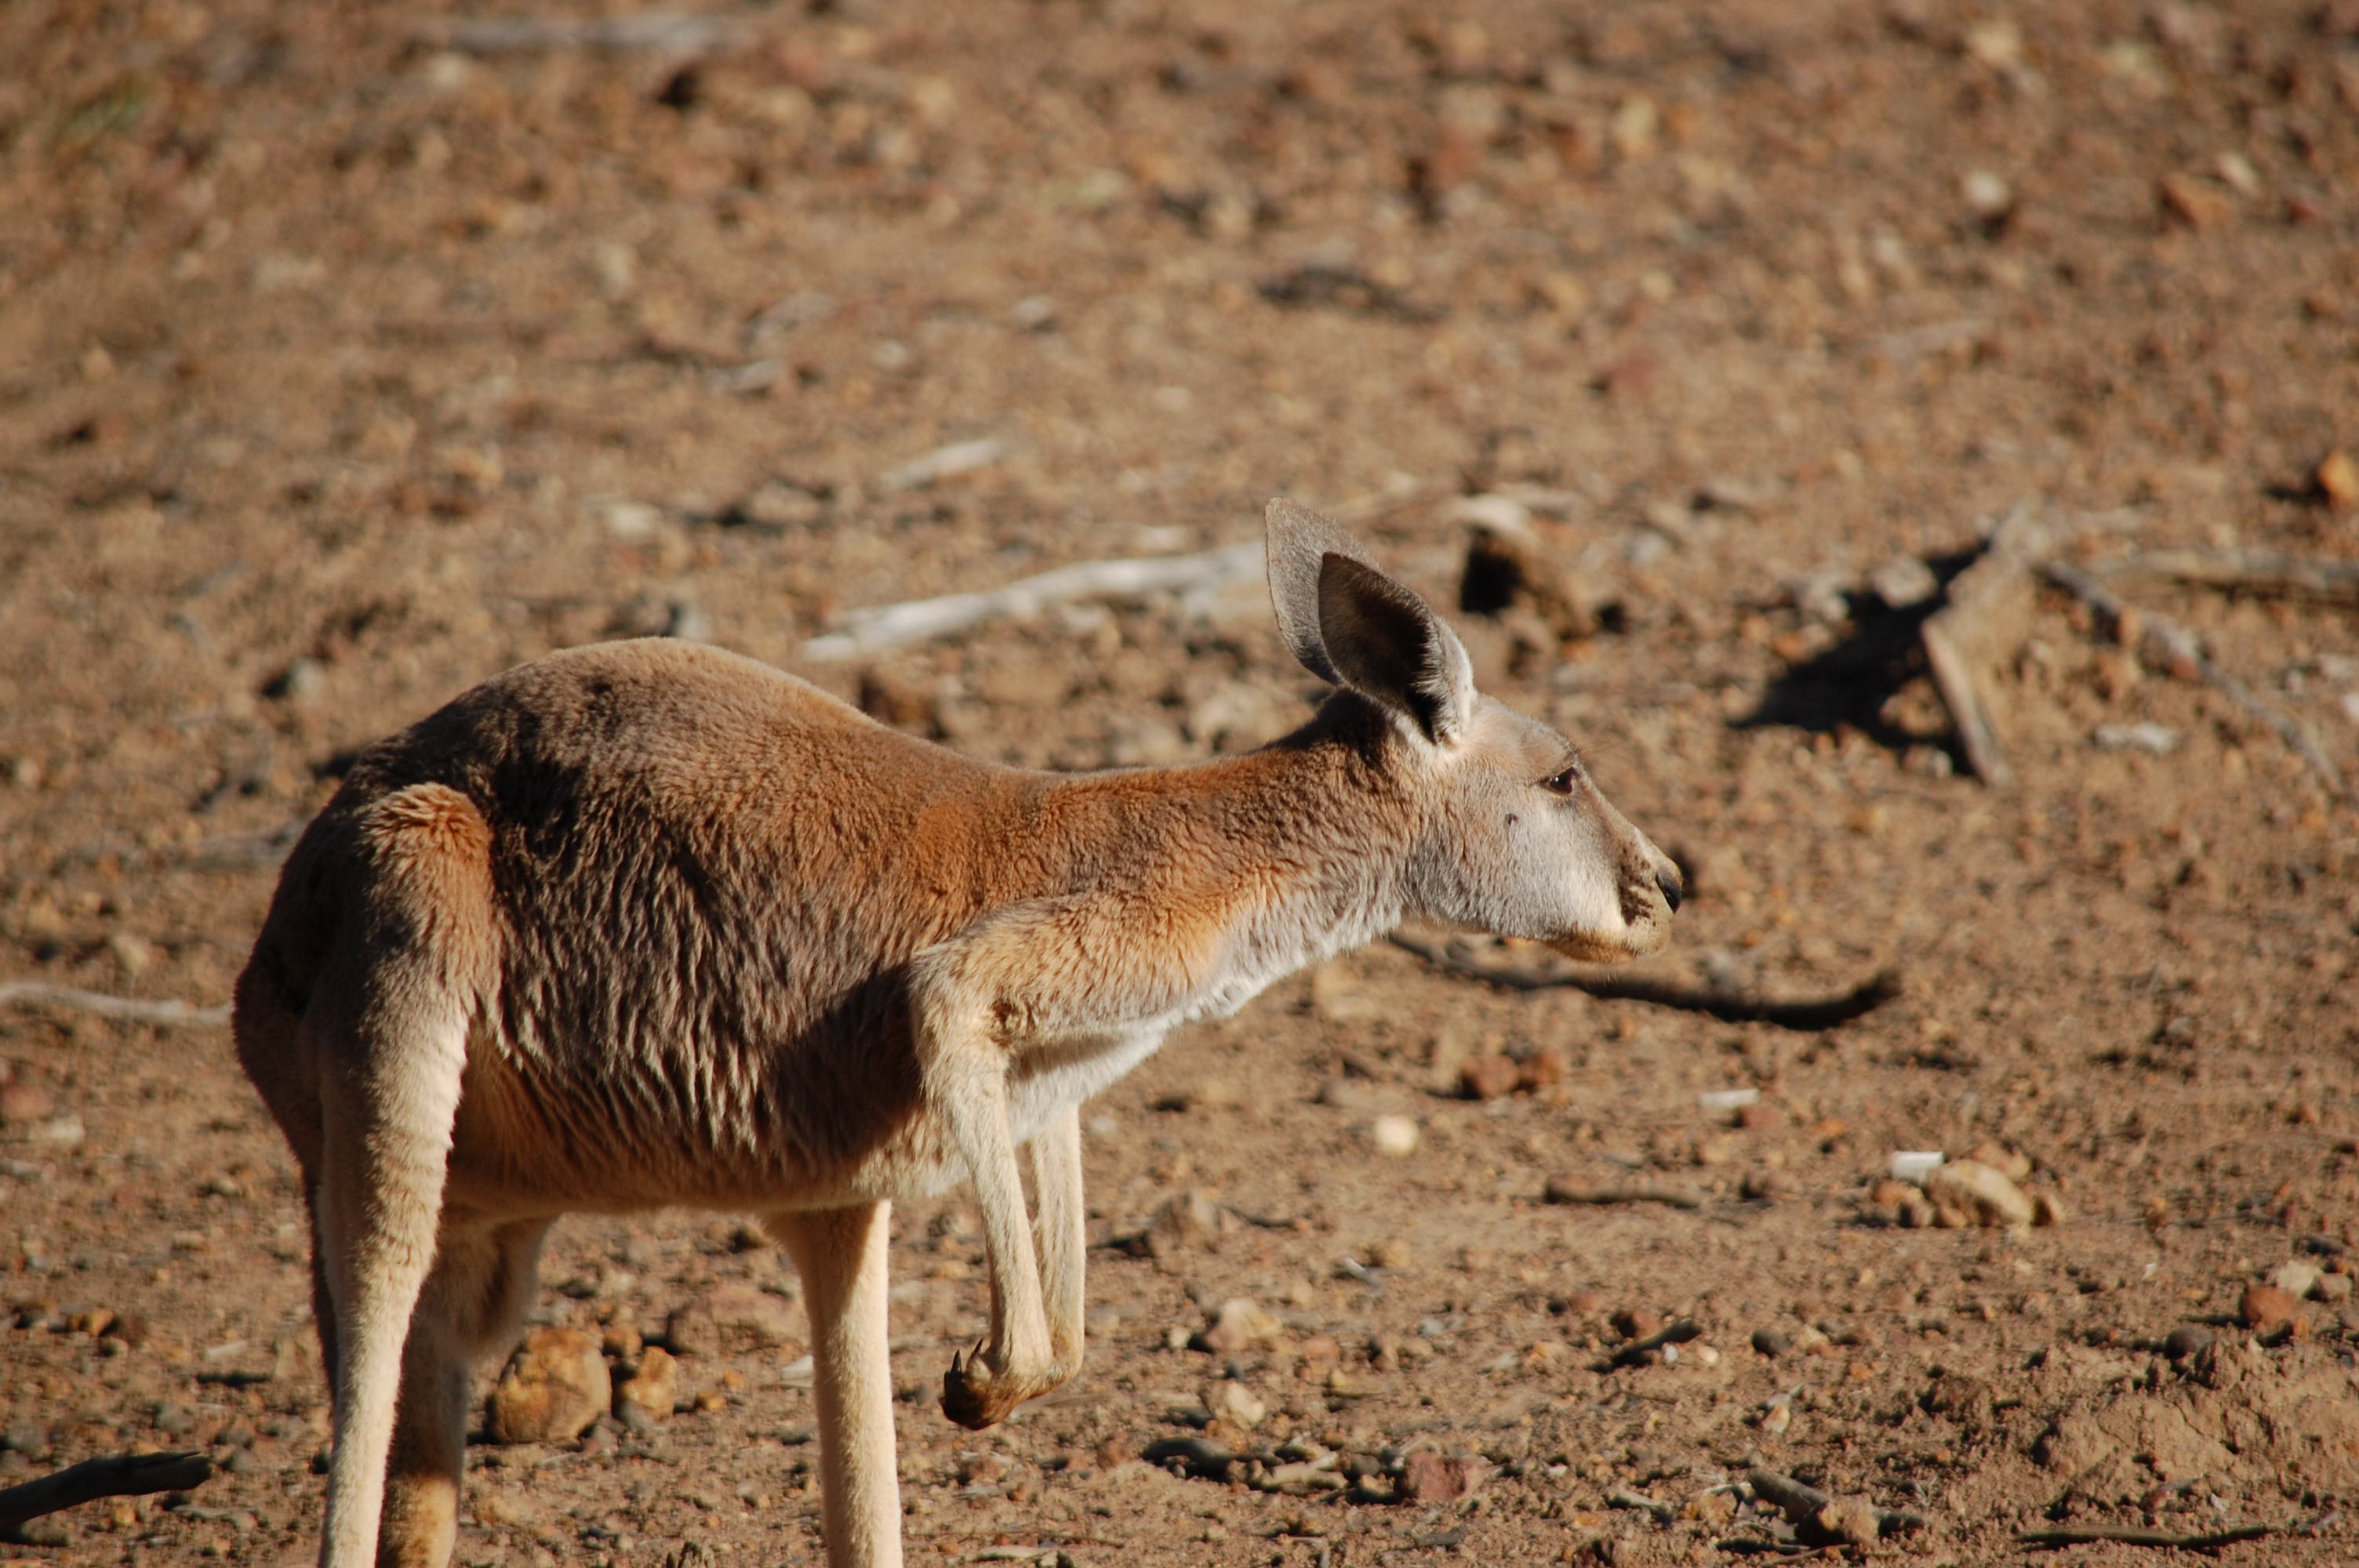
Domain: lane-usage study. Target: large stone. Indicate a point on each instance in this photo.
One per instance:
(1240, 1325)
(653, 1388)
(732, 1319)
(1233, 1402)
(1430, 1478)
(1189, 1219)
(2266, 1307)
(1972, 1188)
(553, 1389)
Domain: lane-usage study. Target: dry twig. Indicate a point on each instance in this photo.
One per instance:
(1802, 1504)
(914, 621)
(1635, 1354)
(2129, 1536)
(891, 625)
(169, 1013)
(1623, 1497)
(2250, 571)
(2175, 648)
(118, 1475)
(1804, 1017)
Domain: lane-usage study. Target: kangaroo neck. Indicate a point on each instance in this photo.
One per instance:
(1312, 831)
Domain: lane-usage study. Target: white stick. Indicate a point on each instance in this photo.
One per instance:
(2173, 644)
(170, 1013)
(891, 625)
(2265, 571)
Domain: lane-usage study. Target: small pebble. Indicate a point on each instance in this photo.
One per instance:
(299, 685)
(1636, 1322)
(2338, 479)
(23, 1103)
(1852, 1521)
(1430, 1478)
(1770, 1342)
(1987, 195)
(1239, 1326)
(1979, 1193)
(2266, 1307)
(1233, 1401)
(1489, 1077)
(1913, 1164)
(653, 1388)
(2186, 1340)
(1395, 1135)
(1346, 1093)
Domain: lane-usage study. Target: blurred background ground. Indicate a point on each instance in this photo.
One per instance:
(349, 354)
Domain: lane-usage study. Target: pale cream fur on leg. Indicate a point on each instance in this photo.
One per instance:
(840, 1255)
(1015, 1361)
(1061, 1229)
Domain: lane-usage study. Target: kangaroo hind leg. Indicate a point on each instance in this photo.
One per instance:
(841, 1254)
(1062, 1225)
(388, 1027)
(469, 1309)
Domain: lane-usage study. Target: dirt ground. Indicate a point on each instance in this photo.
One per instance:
(351, 353)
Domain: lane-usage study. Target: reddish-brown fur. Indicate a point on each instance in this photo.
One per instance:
(647, 924)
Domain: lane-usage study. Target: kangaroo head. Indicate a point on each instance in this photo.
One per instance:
(1511, 835)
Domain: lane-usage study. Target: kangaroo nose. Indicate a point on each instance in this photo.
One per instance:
(1668, 879)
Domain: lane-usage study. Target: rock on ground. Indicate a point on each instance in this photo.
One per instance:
(1430, 1478)
(654, 1386)
(556, 1386)
(731, 1319)
(1985, 1194)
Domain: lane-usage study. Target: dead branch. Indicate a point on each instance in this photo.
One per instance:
(1986, 615)
(946, 462)
(1635, 1353)
(1802, 1504)
(2128, 1536)
(890, 626)
(1663, 1512)
(2249, 571)
(1561, 1190)
(1803, 1017)
(2175, 648)
(169, 1014)
(118, 1475)
(1961, 694)
(915, 620)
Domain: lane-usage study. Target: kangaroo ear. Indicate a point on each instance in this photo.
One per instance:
(1387, 645)
(1299, 541)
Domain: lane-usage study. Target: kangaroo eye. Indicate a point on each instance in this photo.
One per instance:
(1561, 784)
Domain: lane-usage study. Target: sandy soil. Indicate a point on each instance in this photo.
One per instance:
(349, 354)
